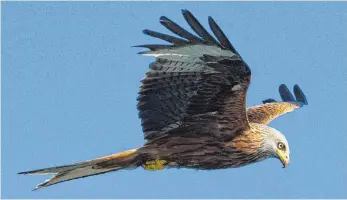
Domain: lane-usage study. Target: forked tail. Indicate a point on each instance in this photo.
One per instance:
(124, 160)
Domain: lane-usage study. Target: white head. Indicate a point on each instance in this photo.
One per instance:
(276, 144)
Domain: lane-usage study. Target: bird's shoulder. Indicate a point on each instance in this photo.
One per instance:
(248, 141)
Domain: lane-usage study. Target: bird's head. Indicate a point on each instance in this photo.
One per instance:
(276, 145)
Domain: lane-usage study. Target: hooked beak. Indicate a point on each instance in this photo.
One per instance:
(284, 158)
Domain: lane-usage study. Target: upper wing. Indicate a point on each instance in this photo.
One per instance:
(191, 76)
(271, 109)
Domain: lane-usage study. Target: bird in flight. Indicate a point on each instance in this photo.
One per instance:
(192, 105)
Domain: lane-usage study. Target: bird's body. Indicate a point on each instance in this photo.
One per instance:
(207, 152)
(192, 104)
(207, 149)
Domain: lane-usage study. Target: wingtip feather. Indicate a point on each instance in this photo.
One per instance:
(163, 18)
(286, 95)
(300, 95)
(184, 10)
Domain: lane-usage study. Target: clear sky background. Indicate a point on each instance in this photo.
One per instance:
(70, 82)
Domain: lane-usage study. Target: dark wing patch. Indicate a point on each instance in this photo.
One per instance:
(221, 36)
(286, 95)
(168, 38)
(195, 75)
(299, 95)
(272, 109)
(269, 100)
(176, 29)
(198, 28)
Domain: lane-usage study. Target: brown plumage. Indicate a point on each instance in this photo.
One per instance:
(192, 107)
(264, 114)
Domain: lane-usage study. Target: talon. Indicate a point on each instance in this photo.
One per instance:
(154, 165)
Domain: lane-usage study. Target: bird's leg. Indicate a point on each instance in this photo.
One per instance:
(154, 165)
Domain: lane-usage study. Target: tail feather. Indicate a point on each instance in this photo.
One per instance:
(73, 174)
(127, 159)
(58, 169)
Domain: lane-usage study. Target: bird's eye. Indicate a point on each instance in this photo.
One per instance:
(281, 145)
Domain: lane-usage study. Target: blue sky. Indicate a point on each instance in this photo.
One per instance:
(70, 82)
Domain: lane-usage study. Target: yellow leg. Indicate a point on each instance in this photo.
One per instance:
(154, 165)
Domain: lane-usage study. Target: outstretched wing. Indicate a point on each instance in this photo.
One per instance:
(271, 109)
(193, 75)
